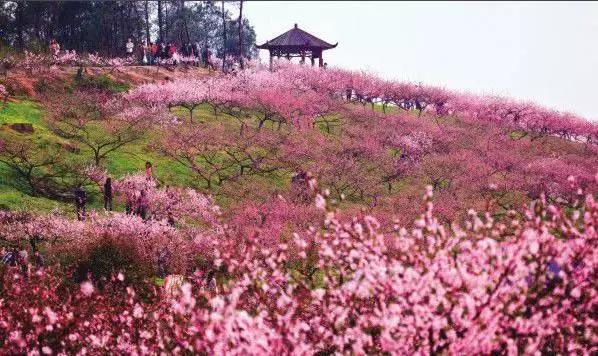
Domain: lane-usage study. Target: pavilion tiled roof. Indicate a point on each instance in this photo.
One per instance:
(296, 37)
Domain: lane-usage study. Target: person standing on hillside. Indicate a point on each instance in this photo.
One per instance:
(204, 56)
(129, 204)
(173, 53)
(129, 47)
(80, 201)
(142, 205)
(142, 53)
(197, 53)
(11, 258)
(300, 187)
(108, 194)
(163, 51)
(167, 50)
(153, 50)
(148, 170)
(54, 47)
(208, 56)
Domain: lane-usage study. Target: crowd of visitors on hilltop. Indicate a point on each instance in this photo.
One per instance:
(160, 53)
(155, 53)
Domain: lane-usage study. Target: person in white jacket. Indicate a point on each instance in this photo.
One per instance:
(130, 46)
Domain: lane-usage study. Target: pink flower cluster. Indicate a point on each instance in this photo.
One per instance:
(525, 284)
(152, 245)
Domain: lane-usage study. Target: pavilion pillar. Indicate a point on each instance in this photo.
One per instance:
(313, 62)
(271, 60)
(321, 61)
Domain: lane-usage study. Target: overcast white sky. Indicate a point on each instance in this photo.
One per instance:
(543, 51)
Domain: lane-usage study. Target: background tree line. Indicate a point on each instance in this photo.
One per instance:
(104, 26)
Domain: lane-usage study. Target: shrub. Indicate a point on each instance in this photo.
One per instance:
(42, 86)
(108, 258)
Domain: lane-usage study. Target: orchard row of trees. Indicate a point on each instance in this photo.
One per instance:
(300, 96)
(469, 149)
(299, 119)
(104, 26)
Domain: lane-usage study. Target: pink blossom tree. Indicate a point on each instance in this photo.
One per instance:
(85, 117)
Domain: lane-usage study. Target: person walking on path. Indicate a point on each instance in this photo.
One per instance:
(108, 194)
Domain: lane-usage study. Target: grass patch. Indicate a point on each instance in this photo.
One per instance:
(517, 134)
(25, 111)
(12, 198)
(101, 82)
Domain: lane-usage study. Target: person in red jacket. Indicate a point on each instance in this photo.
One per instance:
(153, 51)
(173, 53)
(148, 170)
(172, 50)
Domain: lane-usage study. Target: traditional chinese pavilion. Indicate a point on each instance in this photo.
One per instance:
(297, 43)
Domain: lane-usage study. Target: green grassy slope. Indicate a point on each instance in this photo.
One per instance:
(127, 160)
(11, 197)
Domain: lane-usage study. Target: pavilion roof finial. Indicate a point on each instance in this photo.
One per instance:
(296, 25)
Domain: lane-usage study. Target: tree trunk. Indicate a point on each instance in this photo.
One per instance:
(123, 35)
(37, 27)
(102, 32)
(53, 16)
(166, 23)
(185, 25)
(160, 23)
(224, 38)
(19, 19)
(115, 31)
(128, 29)
(147, 24)
(241, 35)
(96, 157)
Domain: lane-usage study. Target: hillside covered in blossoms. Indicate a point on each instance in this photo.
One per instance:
(296, 210)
